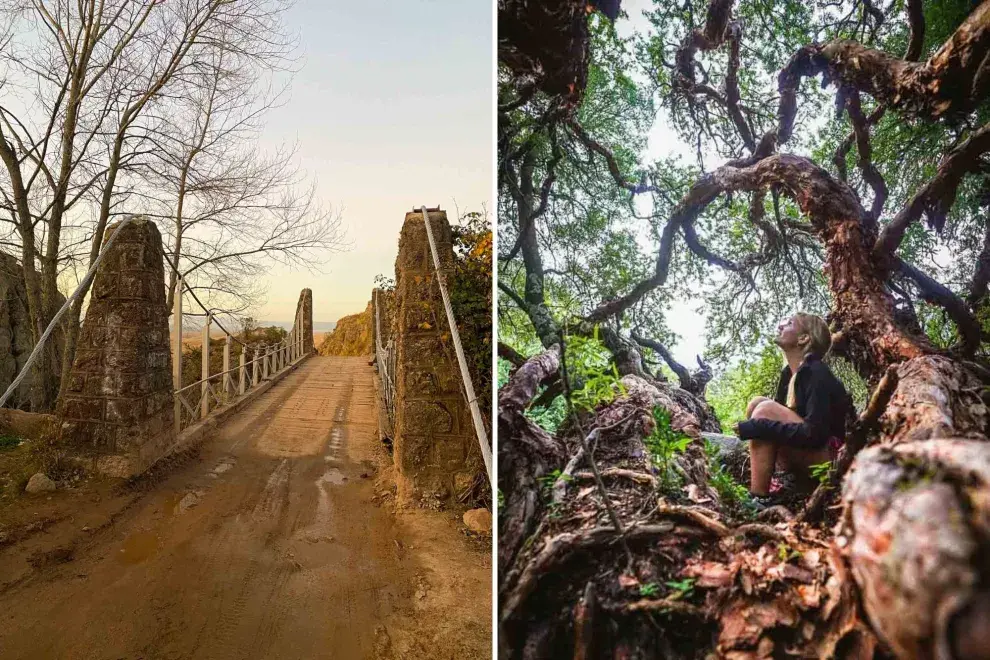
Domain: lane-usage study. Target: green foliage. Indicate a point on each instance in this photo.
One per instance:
(728, 489)
(596, 243)
(787, 553)
(681, 588)
(548, 480)
(8, 442)
(551, 417)
(664, 444)
(548, 417)
(470, 284)
(649, 590)
(594, 380)
(502, 369)
(820, 472)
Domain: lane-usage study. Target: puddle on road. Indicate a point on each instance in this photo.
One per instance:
(333, 476)
(138, 547)
(335, 445)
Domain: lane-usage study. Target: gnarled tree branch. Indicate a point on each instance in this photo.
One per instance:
(936, 197)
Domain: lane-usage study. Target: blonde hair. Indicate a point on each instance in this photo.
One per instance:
(821, 342)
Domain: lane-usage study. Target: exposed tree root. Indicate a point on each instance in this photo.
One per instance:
(916, 532)
(749, 589)
(912, 544)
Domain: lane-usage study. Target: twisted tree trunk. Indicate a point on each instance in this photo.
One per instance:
(907, 567)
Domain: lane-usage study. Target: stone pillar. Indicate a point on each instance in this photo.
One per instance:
(433, 431)
(118, 408)
(304, 312)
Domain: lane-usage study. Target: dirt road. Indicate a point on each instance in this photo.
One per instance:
(267, 545)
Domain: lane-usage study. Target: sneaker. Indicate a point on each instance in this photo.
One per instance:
(761, 502)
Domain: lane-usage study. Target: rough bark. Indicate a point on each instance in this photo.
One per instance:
(571, 590)
(950, 84)
(915, 530)
(525, 453)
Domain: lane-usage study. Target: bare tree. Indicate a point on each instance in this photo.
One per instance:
(230, 209)
(104, 101)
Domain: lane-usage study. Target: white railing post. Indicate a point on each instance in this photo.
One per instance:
(204, 388)
(225, 381)
(242, 371)
(177, 353)
(267, 361)
(255, 367)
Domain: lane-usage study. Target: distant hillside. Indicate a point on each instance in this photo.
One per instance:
(351, 336)
(318, 326)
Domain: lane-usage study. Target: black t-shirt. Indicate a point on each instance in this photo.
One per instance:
(821, 401)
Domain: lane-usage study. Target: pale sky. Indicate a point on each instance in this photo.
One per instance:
(392, 108)
(686, 315)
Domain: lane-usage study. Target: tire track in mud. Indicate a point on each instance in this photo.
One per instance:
(263, 582)
(283, 555)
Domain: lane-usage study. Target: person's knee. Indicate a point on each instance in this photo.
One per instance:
(764, 410)
(753, 404)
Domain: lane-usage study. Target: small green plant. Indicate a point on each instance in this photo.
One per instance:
(682, 588)
(8, 442)
(548, 480)
(821, 472)
(550, 417)
(649, 590)
(787, 553)
(663, 445)
(595, 380)
(718, 478)
(501, 500)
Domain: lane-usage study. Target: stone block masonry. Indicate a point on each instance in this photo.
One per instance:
(433, 433)
(118, 407)
(304, 317)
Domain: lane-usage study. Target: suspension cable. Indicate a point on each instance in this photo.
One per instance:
(58, 315)
(75, 294)
(472, 399)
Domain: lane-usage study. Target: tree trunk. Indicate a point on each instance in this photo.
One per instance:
(568, 588)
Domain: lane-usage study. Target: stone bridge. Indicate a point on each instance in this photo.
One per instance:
(270, 540)
(128, 406)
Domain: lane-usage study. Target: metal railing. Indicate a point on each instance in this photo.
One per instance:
(194, 402)
(385, 357)
(469, 395)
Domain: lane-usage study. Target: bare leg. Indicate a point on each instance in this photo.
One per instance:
(763, 454)
(762, 457)
(799, 461)
(753, 403)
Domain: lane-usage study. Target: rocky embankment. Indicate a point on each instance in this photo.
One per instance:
(351, 336)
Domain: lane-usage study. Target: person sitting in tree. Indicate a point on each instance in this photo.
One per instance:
(804, 424)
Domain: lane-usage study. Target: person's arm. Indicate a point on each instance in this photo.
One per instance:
(812, 433)
(783, 382)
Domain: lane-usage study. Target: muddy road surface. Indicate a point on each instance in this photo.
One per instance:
(271, 542)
